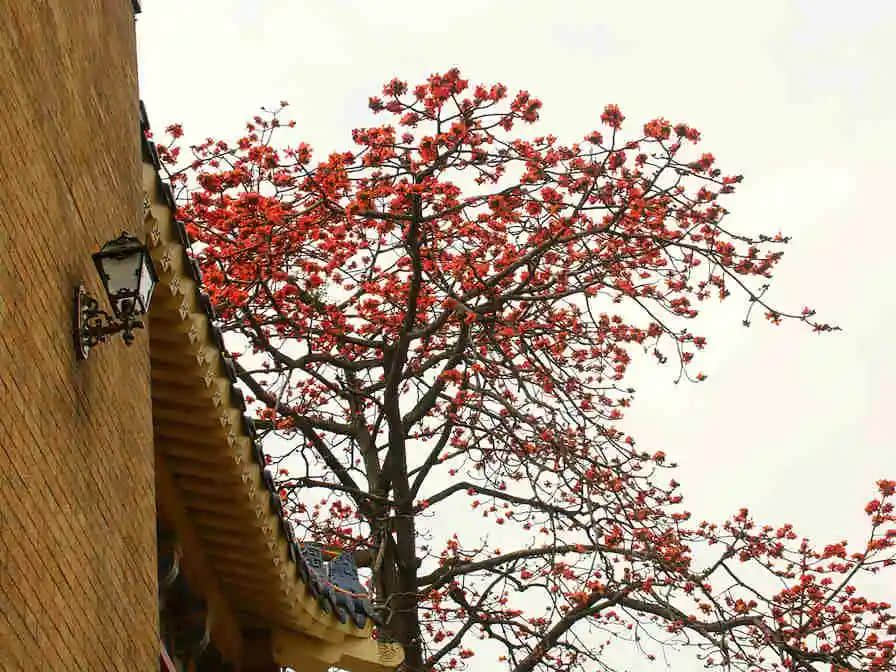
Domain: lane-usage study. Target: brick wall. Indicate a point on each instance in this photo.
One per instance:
(77, 505)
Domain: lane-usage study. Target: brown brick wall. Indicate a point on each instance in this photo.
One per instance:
(77, 504)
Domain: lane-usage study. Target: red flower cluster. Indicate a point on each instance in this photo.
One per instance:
(447, 311)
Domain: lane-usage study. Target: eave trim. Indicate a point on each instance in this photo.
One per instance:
(199, 414)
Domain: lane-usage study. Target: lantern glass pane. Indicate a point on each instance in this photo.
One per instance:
(147, 282)
(122, 273)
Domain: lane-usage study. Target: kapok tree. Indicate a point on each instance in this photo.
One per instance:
(439, 321)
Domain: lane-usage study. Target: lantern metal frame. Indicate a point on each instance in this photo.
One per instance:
(92, 324)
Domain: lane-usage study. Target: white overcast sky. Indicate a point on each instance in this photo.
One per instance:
(798, 96)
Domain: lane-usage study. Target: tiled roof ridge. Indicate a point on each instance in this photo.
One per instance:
(335, 585)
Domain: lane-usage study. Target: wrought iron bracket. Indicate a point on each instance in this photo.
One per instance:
(94, 325)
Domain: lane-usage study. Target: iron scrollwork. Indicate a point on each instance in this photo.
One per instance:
(94, 325)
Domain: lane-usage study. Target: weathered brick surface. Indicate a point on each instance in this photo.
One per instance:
(77, 506)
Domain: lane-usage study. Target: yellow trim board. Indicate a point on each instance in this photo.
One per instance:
(291, 649)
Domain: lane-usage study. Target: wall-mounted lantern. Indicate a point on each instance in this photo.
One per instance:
(129, 277)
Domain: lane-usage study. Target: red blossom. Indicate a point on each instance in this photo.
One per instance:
(612, 117)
